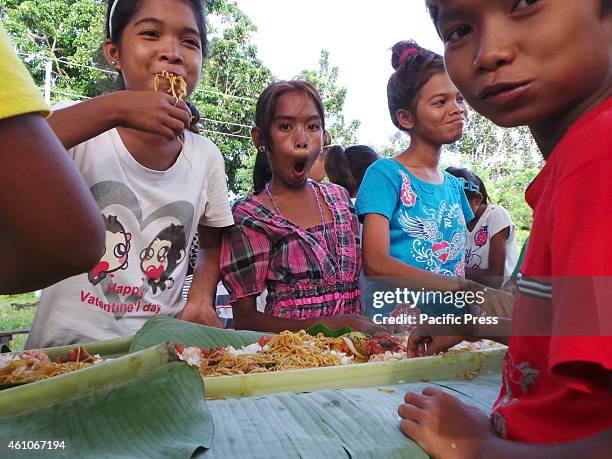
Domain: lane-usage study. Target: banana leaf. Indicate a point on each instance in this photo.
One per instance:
(329, 332)
(167, 330)
(146, 404)
(342, 423)
(106, 349)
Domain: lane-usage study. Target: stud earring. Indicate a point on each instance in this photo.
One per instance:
(262, 149)
(113, 62)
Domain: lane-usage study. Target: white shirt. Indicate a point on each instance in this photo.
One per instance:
(151, 218)
(492, 221)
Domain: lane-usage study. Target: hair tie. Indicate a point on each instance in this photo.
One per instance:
(110, 20)
(469, 186)
(404, 56)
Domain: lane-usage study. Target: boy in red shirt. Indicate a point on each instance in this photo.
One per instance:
(546, 64)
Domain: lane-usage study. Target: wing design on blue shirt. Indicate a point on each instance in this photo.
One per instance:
(419, 228)
(458, 243)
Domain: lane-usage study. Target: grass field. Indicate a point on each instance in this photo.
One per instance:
(17, 318)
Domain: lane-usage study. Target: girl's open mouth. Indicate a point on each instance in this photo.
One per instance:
(299, 167)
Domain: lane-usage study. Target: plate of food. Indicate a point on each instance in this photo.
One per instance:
(300, 362)
(36, 365)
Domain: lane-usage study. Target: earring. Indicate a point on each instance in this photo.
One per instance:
(262, 149)
(113, 62)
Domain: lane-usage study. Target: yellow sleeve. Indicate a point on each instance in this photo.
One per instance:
(18, 93)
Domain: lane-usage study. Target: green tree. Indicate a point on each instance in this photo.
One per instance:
(325, 79)
(60, 31)
(233, 78)
(398, 142)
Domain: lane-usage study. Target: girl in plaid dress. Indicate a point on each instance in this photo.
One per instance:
(293, 236)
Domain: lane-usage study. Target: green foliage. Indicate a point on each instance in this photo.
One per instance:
(14, 318)
(399, 142)
(325, 79)
(233, 78)
(57, 31)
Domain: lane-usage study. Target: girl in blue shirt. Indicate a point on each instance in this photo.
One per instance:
(415, 214)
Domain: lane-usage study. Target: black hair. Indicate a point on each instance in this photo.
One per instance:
(125, 10)
(347, 167)
(414, 66)
(113, 225)
(123, 13)
(175, 234)
(264, 114)
(434, 9)
(472, 178)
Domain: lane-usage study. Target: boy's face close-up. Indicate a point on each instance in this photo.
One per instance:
(525, 62)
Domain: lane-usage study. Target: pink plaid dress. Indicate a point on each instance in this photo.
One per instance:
(308, 272)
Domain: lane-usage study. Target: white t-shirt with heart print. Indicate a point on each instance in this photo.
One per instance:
(151, 218)
(492, 221)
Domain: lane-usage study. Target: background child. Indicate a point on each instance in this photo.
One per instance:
(347, 167)
(317, 171)
(491, 252)
(51, 228)
(557, 377)
(154, 192)
(292, 236)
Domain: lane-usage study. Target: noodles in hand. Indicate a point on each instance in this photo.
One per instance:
(177, 86)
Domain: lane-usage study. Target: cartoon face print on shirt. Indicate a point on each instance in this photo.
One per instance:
(162, 256)
(116, 250)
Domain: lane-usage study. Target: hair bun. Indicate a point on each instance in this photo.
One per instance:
(400, 53)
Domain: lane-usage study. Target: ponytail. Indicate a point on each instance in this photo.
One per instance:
(262, 173)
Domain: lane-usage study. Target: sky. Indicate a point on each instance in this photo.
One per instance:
(359, 36)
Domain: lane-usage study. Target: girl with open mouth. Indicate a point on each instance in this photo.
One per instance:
(294, 237)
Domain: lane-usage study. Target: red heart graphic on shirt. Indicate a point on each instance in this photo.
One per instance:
(441, 250)
(155, 272)
(100, 267)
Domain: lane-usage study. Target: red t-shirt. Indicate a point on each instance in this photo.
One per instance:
(555, 386)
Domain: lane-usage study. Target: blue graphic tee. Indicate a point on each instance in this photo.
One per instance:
(427, 222)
